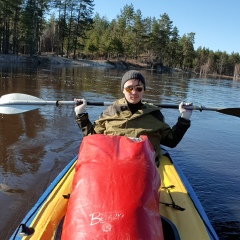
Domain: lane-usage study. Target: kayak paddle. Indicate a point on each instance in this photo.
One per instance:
(15, 103)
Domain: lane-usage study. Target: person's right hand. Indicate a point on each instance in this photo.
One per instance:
(79, 109)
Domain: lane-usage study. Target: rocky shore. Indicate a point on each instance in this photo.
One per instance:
(57, 60)
(52, 59)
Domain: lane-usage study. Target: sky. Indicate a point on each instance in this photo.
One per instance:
(214, 22)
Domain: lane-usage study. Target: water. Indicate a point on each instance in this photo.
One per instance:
(37, 145)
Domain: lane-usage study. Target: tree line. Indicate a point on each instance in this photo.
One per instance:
(68, 28)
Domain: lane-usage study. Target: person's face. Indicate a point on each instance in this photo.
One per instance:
(133, 90)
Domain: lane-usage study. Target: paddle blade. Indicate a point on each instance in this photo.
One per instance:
(17, 96)
(230, 111)
(6, 107)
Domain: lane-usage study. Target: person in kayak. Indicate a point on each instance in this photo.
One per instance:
(132, 117)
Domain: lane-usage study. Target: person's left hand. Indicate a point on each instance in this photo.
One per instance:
(185, 113)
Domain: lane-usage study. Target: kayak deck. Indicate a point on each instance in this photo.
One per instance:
(182, 211)
(46, 216)
(50, 209)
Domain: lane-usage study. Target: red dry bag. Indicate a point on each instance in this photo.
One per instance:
(115, 191)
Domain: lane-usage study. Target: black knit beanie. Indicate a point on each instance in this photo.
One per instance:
(132, 74)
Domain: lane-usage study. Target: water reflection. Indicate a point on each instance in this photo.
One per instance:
(20, 128)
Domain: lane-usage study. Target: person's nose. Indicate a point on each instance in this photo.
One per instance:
(134, 90)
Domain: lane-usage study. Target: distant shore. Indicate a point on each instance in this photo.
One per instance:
(58, 60)
(51, 59)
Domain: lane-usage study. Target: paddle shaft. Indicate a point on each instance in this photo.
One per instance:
(229, 111)
(26, 102)
(15, 103)
(173, 106)
(59, 103)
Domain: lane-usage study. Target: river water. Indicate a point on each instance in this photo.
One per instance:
(35, 146)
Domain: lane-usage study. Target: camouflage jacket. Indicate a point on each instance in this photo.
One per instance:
(117, 119)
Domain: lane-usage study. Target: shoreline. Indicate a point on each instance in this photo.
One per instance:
(49, 59)
(52, 59)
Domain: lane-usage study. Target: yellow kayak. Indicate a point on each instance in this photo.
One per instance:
(182, 214)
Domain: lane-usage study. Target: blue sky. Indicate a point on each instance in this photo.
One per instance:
(215, 22)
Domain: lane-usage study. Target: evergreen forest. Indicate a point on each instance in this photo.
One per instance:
(69, 29)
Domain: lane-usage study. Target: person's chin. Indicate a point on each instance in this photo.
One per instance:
(134, 100)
